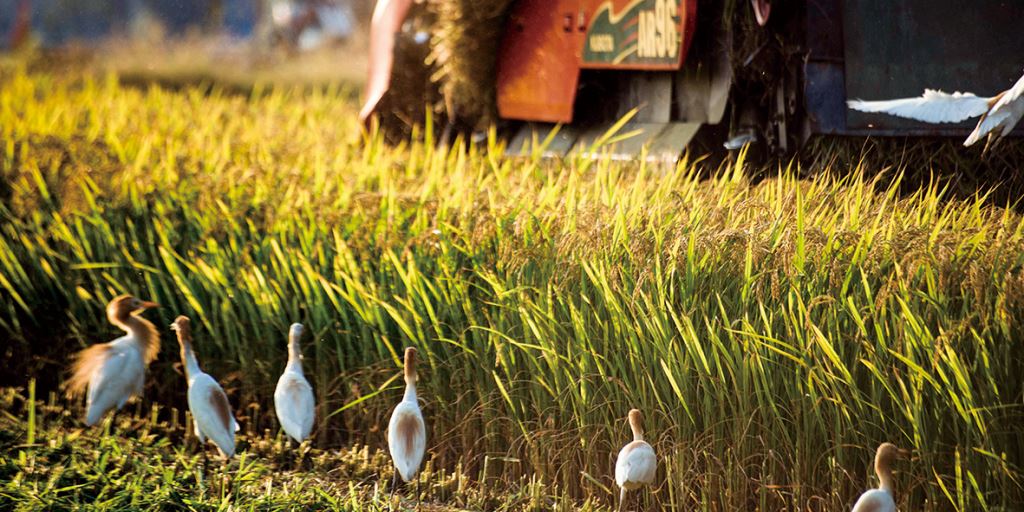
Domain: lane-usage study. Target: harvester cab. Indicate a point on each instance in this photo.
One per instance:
(565, 73)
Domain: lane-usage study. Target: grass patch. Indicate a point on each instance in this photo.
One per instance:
(773, 332)
(136, 461)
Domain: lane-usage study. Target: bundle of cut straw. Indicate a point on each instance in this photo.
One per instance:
(464, 49)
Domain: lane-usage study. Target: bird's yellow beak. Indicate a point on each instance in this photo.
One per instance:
(147, 305)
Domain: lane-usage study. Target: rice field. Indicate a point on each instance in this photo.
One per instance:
(773, 331)
(141, 461)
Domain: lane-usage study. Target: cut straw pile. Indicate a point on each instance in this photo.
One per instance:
(464, 52)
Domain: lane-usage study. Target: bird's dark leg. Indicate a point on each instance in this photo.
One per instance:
(391, 495)
(225, 481)
(988, 145)
(417, 492)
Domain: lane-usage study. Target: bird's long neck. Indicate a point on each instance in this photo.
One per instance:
(188, 357)
(884, 473)
(409, 369)
(294, 354)
(143, 333)
(637, 432)
(410, 390)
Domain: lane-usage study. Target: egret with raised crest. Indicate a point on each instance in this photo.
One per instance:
(111, 373)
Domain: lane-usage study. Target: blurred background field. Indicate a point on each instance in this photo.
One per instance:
(774, 321)
(233, 43)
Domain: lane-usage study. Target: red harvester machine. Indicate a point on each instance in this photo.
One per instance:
(755, 71)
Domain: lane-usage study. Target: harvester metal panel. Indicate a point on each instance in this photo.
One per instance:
(538, 62)
(653, 142)
(897, 49)
(550, 140)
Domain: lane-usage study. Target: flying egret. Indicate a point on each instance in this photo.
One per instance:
(211, 413)
(881, 499)
(407, 434)
(115, 371)
(999, 114)
(293, 398)
(637, 463)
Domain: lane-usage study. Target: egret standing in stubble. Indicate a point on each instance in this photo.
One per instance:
(637, 463)
(293, 398)
(114, 372)
(211, 413)
(407, 434)
(881, 499)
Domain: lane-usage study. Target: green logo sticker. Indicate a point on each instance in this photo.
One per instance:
(644, 32)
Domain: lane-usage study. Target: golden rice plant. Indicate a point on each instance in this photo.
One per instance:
(772, 331)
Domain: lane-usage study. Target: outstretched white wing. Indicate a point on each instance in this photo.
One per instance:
(1012, 95)
(931, 107)
(1005, 114)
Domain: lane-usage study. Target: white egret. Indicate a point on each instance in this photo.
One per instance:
(637, 462)
(211, 413)
(999, 113)
(407, 433)
(881, 499)
(293, 398)
(115, 371)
